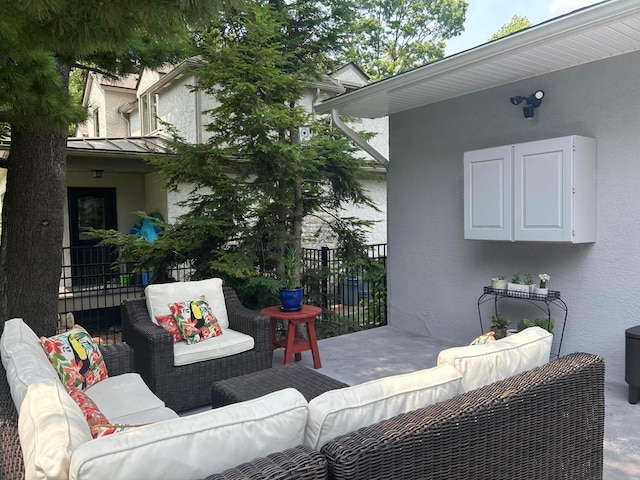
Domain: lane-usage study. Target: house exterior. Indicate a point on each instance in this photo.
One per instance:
(588, 64)
(138, 105)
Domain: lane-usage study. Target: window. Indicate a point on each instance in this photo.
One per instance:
(96, 122)
(149, 113)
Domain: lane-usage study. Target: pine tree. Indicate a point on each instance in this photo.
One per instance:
(254, 181)
(40, 42)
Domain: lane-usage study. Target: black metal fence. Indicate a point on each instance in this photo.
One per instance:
(352, 294)
(93, 285)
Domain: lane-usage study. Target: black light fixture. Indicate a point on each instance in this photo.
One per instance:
(97, 173)
(533, 101)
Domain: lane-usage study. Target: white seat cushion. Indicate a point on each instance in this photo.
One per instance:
(229, 343)
(148, 416)
(344, 410)
(159, 296)
(123, 395)
(494, 361)
(51, 426)
(198, 445)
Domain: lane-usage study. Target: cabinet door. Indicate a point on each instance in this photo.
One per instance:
(487, 194)
(542, 190)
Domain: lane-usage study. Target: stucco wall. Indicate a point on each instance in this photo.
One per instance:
(176, 106)
(114, 124)
(436, 277)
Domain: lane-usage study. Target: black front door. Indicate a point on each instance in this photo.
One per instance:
(91, 208)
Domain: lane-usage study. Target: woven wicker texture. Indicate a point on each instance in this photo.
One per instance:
(12, 467)
(300, 463)
(253, 385)
(545, 424)
(189, 386)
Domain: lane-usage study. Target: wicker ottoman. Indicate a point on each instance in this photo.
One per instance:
(253, 385)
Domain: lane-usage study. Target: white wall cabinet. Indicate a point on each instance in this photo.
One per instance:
(541, 191)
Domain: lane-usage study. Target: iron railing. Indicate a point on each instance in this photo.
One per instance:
(352, 293)
(92, 286)
(94, 283)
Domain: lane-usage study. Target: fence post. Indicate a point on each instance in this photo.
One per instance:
(324, 260)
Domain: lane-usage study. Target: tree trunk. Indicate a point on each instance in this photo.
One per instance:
(297, 227)
(32, 227)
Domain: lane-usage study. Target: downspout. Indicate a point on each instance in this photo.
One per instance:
(361, 142)
(198, 118)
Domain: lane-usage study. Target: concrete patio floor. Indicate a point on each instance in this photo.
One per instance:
(363, 356)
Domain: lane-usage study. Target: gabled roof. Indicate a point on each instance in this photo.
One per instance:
(604, 30)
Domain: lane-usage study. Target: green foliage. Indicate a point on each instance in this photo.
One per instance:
(253, 181)
(37, 39)
(291, 268)
(498, 321)
(542, 322)
(515, 278)
(528, 279)
(516, 24)
(392, 36)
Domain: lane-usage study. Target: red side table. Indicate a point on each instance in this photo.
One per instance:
(294, 344)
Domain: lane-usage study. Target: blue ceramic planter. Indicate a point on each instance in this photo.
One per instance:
(291, 300)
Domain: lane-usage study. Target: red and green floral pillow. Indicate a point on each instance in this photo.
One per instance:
(98, 423)
(76, 358)
(91, 412)
(195, 320)
(98, 431)
(169, 324)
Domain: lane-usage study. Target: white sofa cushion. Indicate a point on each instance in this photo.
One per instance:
(158, 297)
(51, 426)
(24, 368)
(229, 343)
(344, 410)
(490, 362)
(17, 335)
(196, 446)
(123, 396)
(23, 359)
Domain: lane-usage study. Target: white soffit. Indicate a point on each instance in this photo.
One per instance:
(604, 30)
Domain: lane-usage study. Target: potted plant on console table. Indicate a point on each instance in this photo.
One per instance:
(544, 279)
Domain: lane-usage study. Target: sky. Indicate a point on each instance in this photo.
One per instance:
(486, 17)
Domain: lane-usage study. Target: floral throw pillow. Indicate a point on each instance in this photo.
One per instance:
(76, 358)
(195, 320)
(90, 410)
(107, 428)
(169, 324)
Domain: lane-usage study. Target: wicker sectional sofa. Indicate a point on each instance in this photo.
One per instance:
(544, 423)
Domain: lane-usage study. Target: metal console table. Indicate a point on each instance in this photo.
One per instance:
(551, 298)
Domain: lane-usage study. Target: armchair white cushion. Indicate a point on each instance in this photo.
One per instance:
(158, 297)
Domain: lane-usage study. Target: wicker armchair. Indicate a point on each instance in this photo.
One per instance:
(189, 386)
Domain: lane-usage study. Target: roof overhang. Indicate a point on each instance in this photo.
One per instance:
(117, 154)
(604, 30)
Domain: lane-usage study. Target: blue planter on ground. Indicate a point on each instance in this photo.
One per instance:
(291, 299)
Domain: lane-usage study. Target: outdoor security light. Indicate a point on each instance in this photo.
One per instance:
(533, 101)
